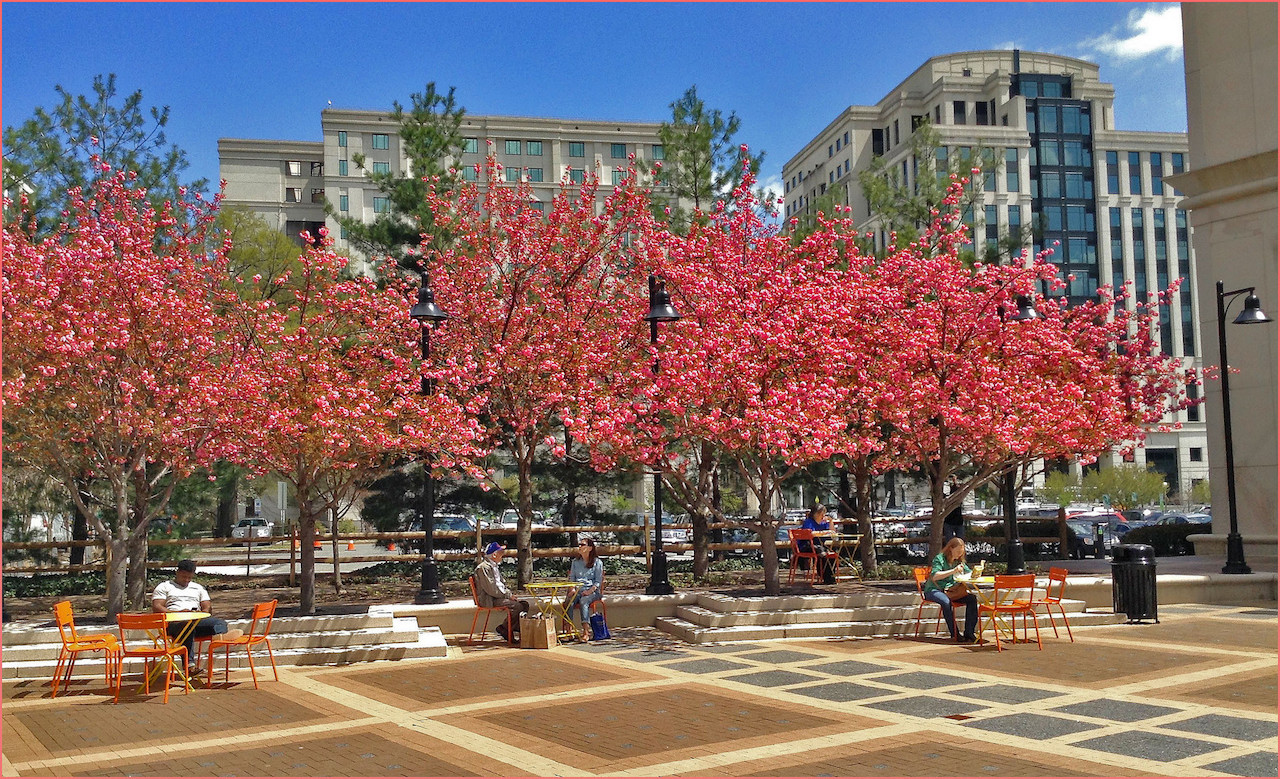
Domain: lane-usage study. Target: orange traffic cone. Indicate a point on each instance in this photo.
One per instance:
(317, 544)
(391, 547)
(297, 544)
(351, 546)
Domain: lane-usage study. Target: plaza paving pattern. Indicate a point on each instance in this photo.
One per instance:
(1193, 696)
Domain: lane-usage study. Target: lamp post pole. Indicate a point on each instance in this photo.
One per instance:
(660, 310)
(1252, 314)
(1017, 561)
(428, 314)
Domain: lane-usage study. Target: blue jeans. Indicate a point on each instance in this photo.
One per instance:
(205, 627)
(583, 603)
(970, 603)
(952, 531)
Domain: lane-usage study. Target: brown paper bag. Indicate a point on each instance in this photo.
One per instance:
(537, 633)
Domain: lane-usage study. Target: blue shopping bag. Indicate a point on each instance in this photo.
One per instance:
(599, 630)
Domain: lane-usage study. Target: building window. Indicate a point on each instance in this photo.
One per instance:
(980, 115)
(292, 194)
(513, 174)
(1196, 454)
(513, 147)
(342, 139)
(618, 176)
(577, 149)
(1113, 173)
(380, 205)
(1135, 173)
(896, 137)
(533, 148)
(831, 151)
(382, 168)
(1011, 175)
(535, 174)
(877, 142)
(1193, 412)
(469, 173)
(618, 151)
(294, 168)
(846, 137)
(538, 205)
(957, 110)
(317, 195)
(1157, 173)
(343, 233)
(577, 176)
(657, 152)
(470, 146)
(344, 203)
(831, 177)
(1048, 118)
(317, 169)
(342, 167)
(381, 141)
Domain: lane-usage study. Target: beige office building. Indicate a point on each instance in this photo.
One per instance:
(289, 182)
(1062, 165)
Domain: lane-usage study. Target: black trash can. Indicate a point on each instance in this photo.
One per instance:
(1133, 581)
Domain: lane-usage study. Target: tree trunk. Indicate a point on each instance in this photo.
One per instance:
(117, 552)
(524, 524)
(570, 516)
(768, 532)
(935, 521)
(891, 489)
(699, 545)
(79, 532)
(228, 499)
(308, 514)
(136, 576)
(862, 486)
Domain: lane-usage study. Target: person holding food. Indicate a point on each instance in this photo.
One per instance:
(943, 589)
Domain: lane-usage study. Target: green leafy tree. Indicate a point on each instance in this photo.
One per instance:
(1200, 492)
(431, 136)
(907, 209)
(66, 146)
(1061, 488)
(702, 163)
(260, 257)
(1125, 486)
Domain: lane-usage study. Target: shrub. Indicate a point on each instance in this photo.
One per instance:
(1167, 540)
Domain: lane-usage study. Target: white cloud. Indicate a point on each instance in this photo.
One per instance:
(1149, 31)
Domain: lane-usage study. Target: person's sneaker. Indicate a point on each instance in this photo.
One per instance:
(231, 635)
(969, 640)
(501, 630)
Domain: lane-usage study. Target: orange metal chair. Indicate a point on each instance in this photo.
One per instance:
(812, 554)
(74, 643)
(488, 610)
(159, 648)
(1004, 602)
(258, 633)
(1053, 590)
(922, 575)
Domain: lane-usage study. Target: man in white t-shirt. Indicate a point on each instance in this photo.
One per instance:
(182, 594)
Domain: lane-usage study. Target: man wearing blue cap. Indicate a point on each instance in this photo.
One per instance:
(492, 592)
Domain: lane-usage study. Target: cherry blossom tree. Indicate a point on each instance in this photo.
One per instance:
(751, 368)
(115, 357)
(539, 309)
(333, 397)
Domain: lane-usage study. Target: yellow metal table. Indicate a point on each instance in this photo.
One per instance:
(551, 602)
(188, 620)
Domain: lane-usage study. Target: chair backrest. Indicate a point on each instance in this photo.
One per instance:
(151, 624)
(474, 597)
(66, 623)
(922, 575)
(798, 534)
(1057, 583)
(265, 613)
(1005, 584)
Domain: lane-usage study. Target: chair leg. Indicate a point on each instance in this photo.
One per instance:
(57, 674)
(248, 652)
(271, 655)
(474, 619)
(1065, 623)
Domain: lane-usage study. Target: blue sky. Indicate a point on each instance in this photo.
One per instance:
(265, 70)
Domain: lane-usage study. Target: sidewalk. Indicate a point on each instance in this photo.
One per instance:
(1192, 696)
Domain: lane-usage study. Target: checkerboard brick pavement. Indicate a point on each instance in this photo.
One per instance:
(1193, 696)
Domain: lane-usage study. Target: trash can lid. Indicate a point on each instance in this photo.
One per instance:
(1133, 553)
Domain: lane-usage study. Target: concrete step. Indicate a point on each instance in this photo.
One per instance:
(400, 638)
(702, 634)
(33, 632)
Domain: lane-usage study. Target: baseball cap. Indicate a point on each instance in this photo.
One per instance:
(187, 565)
(494, 546)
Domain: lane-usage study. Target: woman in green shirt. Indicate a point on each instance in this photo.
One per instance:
(948, 563)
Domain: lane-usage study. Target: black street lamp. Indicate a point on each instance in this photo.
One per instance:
(428, 314)
(660, 310)
(1017, 563)
(1251, 315)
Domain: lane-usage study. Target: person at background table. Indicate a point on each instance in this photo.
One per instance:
(953, 524)
(492, 592)
(948, 563)
(817, 520)
(183, 593)
(586, 570)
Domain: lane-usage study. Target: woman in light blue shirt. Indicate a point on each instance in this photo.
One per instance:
(588, 572)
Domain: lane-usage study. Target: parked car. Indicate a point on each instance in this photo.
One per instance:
(1179, 518)
(1082, 535)
(252, 529)
(443, 522)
